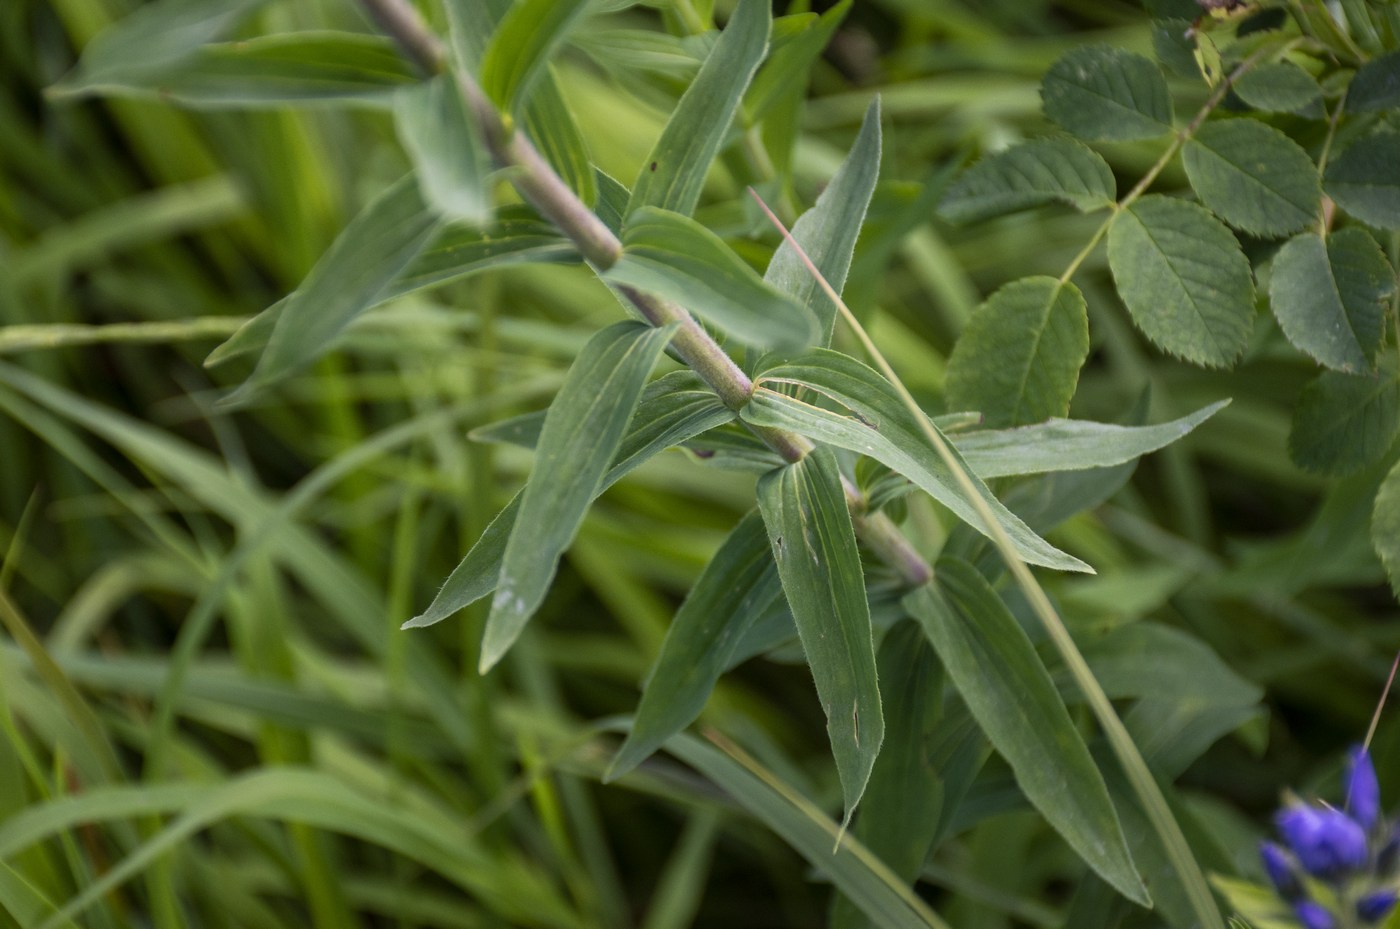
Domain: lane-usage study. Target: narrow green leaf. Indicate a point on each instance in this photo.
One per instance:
(1253, 176)
(1068, 445)
(1365, 180)
(1184, 279)
(1330, 297)
(828, 231)
(880, 426)
(1031, 174)
(675, 257)
(737, 587)
(1343, 422)
(814, 545)
(674, 173)
(787, 69)
(581, 437)
(451, 161)
(519, 50)
(1281, 87)
(1107, 94)
(1376, 85)
(995, 668)
(1385, 527)
(1018, 359)
(24, 902)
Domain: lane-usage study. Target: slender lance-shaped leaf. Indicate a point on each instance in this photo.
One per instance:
(1253, 176)
(675, 257)
(581, 437)
(1376, 85)
(1330, 297)
(1031, 174)
(518, 54)
(371, 251)
(814, 545)
(674, 408)
(452, 164)
(674, 173)
(737, 587)
(1069, 445)
(828, 231)
(1184, 279)
(996, 669)
(1107, 94)
(785, 72)
(881, 427)
(1343, 422)
(1018, 359)
(1385, 527)
(1365, 180)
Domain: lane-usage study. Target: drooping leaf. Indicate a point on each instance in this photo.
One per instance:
(814, 545)
(737, 587)
(1330, 297)
(1107, 94)
(581, 437)
(675, 257)
(1253, 176)
(828, 231)
(1069, 445)
(1343, 422)
(373, 250)
(878, 425)
(450, 159)
(1018, 359)
(674, 172)
(518, 53)
(1365, 180)
(1184, 279)
(1031, 174)
(1385, 527)
(1001, 678)
(673, 409)
(1281, 87)
(1376, 85)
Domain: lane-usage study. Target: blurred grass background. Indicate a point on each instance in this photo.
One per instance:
(209, 715)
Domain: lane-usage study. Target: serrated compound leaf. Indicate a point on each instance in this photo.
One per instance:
(581, 436)
(878, 425)
(1001, 678)
(828, 231)
(1069, 444)
(1376, 85)
(1365, 180)
(1330, 296)
(1107, 94)
(1344, 422)
(452, 164)
(518, 52)
(1385, 527)
(1174, 47)
(1018, 359)
(1253, 176)
(737, 587)
(1280, 87)
(674, 173)
(367, 255)
(814, 546)
(1031, 174)
(1184, 279)
(678, 259)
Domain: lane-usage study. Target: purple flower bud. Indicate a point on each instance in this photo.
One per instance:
(1363, 792)
(1374, 907)
(1314, 916)
(1327, 842)
(1280, 871)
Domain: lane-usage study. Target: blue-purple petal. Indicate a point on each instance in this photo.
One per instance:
(1314, 915)
(1327, 842)
(1363, 791)
(1376, 906)
(1280, 870)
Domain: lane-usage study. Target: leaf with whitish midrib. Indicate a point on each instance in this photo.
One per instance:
(880, 426)
(828, 231)
(519, 50)
(452, 164)
(1018, 359)
(814, 545)
(737, 587)
(1330, 296)
(1343, 422)
(1184, 279)
(674, 173)
(1385, 527)
(1365, 180)
(678, 259)
(1031, 174)
(1253, 176)
(369, 253)
(1107, 94)
(1006, 686)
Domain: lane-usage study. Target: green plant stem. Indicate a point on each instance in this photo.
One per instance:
(57, 335)
(1328, 208)
(542, 187)
(1144, 784)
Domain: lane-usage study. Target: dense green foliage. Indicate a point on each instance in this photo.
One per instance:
(436, 493)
